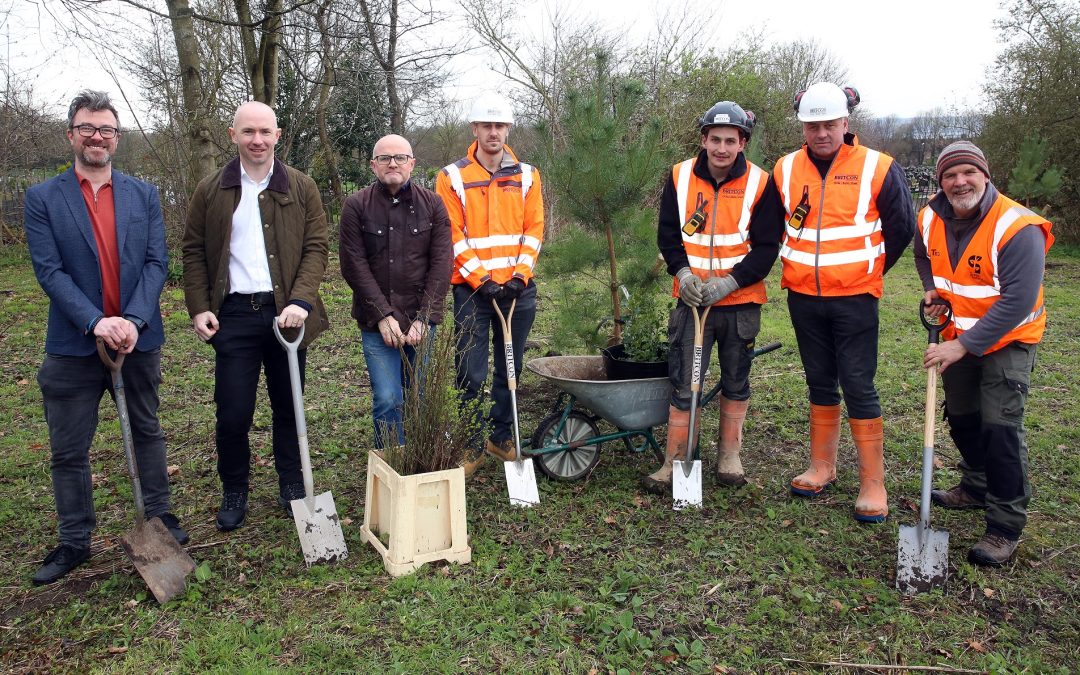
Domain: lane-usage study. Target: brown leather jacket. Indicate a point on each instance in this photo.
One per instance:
(295, 232)
(395, 254)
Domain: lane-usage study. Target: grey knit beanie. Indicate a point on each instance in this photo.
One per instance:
(961, 152)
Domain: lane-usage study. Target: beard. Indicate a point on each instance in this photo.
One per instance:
(968, 201)
(89, 160)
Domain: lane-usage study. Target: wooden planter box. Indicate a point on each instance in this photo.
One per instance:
(423, 515)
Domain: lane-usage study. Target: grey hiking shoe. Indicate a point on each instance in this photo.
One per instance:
(993, 550)
(956, 498)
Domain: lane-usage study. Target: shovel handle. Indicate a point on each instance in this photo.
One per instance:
(934, 325)
(291, 348)
(695, 379)
(119, 395)
(114, 365)
(511, 372)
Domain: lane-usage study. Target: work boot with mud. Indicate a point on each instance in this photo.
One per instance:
(956, 498)
(471, 461)
(872, 506)
(993, 550)
(678, 435)
(729, 469)
(504, 450)
(824, 442)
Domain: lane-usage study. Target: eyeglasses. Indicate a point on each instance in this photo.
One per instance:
(385, 159)
(88, 130)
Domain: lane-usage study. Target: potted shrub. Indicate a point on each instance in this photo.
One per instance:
(644, 347)
(414, 510)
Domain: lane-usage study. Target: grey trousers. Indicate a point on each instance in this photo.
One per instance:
(733, 333)
(984, 402)
(72, 387)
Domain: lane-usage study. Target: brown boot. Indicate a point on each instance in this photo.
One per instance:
(729, 470)
(873, 503)
(471, 461)
(824, 441)
(956, 498)
(993, 550)
(678, 435)
(504, 450)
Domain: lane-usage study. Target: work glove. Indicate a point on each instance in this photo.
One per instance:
(512, 289)
(716, 289)
(691, 287)
(490, 291)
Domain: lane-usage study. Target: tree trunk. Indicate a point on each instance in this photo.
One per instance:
(202, 156)
(616, 306)
(263, 56)
(327, 84)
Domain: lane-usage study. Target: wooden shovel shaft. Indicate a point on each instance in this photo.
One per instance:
(928, 446)
(695, 380)
(511, 371)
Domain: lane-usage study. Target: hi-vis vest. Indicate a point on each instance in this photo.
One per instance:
(839, 248)
(496, 220)
(724, 239)
(974, 287)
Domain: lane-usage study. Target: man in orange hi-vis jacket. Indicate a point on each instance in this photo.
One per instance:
(497, 226)
(849, 219)
(984, 254)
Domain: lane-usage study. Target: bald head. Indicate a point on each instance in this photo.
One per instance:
(255, 133)
(255, 109)
(392, 162)
(391, 144)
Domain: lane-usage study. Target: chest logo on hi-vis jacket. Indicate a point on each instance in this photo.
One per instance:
(974, 263)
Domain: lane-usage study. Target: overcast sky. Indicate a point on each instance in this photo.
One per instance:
(904, 57)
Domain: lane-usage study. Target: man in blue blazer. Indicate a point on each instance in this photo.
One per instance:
(97, 242)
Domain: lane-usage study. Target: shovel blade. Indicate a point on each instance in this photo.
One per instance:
(319, 528)
(521, 483)
(158, 558)
(922, 558)
(686, 487)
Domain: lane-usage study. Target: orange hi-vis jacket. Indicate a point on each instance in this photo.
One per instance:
(837, 248)
(496, 220)
(973, 287)
(723, 240)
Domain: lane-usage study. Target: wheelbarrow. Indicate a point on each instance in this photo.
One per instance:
(566, 444)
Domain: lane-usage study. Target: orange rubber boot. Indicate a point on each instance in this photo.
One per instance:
(873, 503)
(729, 469)
(824, 441)
(678, 435)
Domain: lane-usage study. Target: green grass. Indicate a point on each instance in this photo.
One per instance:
(599, 576)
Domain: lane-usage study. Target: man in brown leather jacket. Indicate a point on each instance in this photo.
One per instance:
(395, 254)
(255, 248)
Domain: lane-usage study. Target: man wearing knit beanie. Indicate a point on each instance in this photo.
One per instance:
(961, 152)
(984, 254)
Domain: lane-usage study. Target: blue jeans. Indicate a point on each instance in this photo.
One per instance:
(476, 324)
(72, 387)
(389, 378)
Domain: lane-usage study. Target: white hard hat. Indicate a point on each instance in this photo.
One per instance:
(822, 102)
(491, 107)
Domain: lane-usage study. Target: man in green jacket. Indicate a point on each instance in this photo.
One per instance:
(255, 249)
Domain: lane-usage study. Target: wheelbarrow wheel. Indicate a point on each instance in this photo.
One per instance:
(569, 464)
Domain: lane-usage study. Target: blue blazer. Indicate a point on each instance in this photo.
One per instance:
(65, 258)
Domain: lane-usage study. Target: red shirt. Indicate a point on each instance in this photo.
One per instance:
(102, 212)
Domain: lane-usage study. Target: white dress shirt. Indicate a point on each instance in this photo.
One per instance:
(249, 270)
